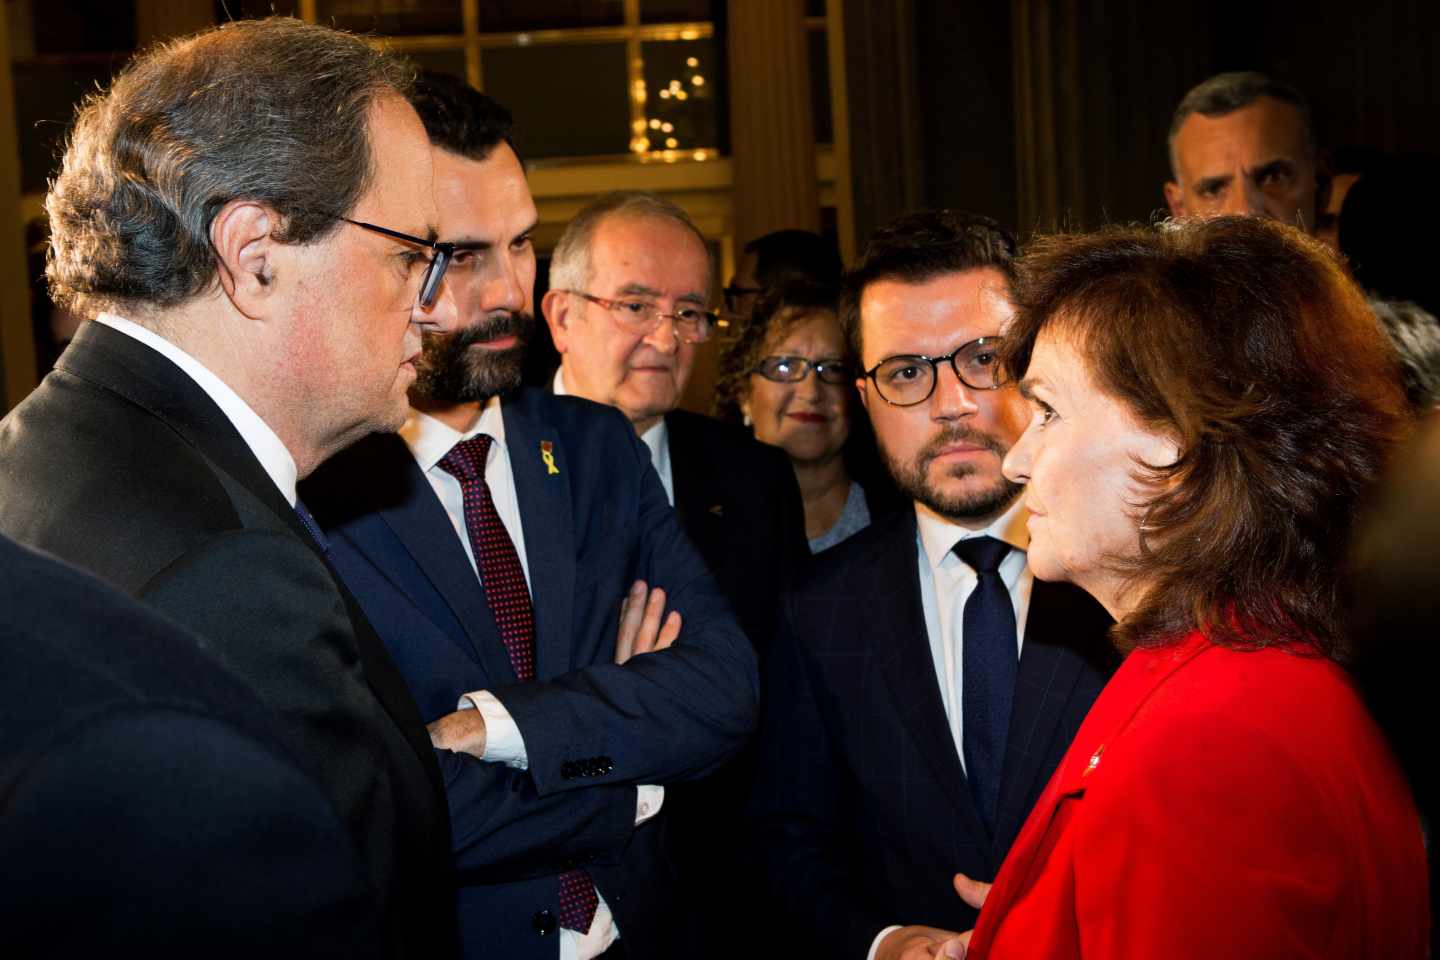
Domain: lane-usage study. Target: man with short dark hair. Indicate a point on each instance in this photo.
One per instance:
(1241, 143)
(517, 554)
(923, 684)
(248, 216)
(778, 258)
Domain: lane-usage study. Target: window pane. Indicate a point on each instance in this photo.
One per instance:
(514, 16)
(86, 26)
(814, 8)
(679, 11)
(398, 18)
(820, 86)
(568, 100)
(682, 84)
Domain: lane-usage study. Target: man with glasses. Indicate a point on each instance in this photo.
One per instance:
(248, 215)
(628, 309)
(494, 542)
(923, 685)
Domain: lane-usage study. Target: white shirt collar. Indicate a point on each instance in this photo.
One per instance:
(272, 453)
(938, 536)
(656, 438)
(429, 439)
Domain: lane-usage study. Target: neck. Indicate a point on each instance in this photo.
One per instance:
(457, 416)
(824, 488)
(645, 424)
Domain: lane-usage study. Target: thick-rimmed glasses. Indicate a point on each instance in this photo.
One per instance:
(643, 316)
(795, 369)
(908, 379)
(439, 263)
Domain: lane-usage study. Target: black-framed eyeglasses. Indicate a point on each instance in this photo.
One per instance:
(795, 369)
(908, 379)
(439, 263)
(736, 297)
(642, 317)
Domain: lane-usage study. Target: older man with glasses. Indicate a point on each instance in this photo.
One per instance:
(628, 308)
(923, 685)
(215, 216)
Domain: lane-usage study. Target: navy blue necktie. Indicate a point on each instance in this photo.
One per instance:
(308, 522)
(989, 663)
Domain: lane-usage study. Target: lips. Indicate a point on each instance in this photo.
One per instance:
(808, 417)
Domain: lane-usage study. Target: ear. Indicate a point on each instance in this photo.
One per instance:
(241, 233)
(862, 387)
(556, 308)
(1175, 197)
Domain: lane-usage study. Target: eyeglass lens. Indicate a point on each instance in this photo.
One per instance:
(906, 380)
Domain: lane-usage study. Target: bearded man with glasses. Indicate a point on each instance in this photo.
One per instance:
(923, 685)
(247, 217)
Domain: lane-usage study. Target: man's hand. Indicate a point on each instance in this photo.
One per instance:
(918, 943)
(641, 626)
(460, 732)
(974, 893)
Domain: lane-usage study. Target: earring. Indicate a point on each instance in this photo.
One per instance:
(745, 419)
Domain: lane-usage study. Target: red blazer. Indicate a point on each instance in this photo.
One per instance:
(1217, 803)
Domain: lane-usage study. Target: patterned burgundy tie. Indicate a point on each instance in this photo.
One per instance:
(504, 581)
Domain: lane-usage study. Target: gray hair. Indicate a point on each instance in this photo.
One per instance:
(1225, 93)
(570, 263)
(1415, 335)
(274, 110)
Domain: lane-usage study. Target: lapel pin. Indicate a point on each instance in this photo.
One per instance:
(718, 510)
(1094, 762)
(547, 453)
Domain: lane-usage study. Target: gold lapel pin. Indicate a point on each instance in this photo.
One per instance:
(547, 453)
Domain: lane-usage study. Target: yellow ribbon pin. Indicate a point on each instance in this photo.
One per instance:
(547, 453)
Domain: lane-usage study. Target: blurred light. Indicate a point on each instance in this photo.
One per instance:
(681, 95)
(698, 155)
(667, 126)
(665, 94)
(698, 80)
(672, 143)
(654, 124)
(689, 34)
(693, 62)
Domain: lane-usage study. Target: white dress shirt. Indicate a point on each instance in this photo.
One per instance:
(429, 440)
(274, 456)
(657, 439)
(946, 582)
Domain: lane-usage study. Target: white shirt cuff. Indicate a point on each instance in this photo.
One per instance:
(503, 743)
(875, 944)
(647, 802)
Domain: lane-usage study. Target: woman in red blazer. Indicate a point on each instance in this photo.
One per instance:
(1212, 399)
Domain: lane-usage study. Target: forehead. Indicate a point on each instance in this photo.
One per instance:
(481, 199)
(652, 252)
(935, 316)
(1266, 130)
(401, 193)
(817, 331)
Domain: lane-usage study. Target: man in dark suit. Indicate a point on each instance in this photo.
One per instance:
(146, 792)
(923, 684)
(491, 543)
(250, 321)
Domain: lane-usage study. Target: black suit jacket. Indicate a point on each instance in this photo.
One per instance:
(146, 806)
(592, 730)
(738, 501)
(119, 463)
(861, 806)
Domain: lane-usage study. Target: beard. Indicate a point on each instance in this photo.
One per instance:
(449, 371)
(913, 478)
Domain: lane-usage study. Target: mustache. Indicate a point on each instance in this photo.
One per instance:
(961, 434)
(493, 327)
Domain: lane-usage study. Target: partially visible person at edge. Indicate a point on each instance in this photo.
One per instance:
(1212, 401)
(787, 377)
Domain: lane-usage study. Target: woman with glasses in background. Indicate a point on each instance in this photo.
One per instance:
(788, 376)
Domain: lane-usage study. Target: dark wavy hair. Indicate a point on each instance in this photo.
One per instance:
(459, 118)
(775, 315)
(272, 110)
(1245, 341)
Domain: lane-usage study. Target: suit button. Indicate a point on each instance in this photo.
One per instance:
(606, 765)
(567, 770)
(544, 922)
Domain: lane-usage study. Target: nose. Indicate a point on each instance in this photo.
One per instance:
(442, 316)
(812, 388)
(1245, 199)
(1017, 463)
(502, 289)
(951, 399)
(664, 338)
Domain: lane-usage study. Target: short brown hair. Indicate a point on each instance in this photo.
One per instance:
(777, 313)
(917, 248)
(272, 110)
(1247, 343)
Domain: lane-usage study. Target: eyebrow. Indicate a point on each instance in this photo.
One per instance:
(1280, 165)
(640, 290)
(483, 245)
(1212, 183)
(1027, 387)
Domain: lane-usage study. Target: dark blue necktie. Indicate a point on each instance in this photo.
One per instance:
(308, 522)
(989, 663)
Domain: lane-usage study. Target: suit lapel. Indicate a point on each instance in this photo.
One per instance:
(420, 524)
(897, 620)
(549, 530)
(699, 498)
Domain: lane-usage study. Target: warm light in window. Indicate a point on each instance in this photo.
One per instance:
(654, 124)
(672, 143)
(681, 95)
(698, 80)
(693, 62)
(668, 127)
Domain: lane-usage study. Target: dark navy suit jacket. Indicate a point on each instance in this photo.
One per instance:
(592, 730)
(861, 809)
